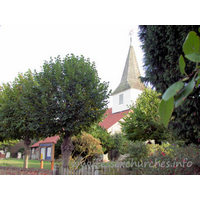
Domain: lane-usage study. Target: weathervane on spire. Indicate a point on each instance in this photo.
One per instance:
(131, 33)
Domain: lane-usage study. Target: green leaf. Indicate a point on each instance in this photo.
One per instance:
(191, 43)
(184, 93)
(165, 110)
(198, 80)
(195, 57)
(191, 47)
(182, 64)
(172, 90)
(185, 79)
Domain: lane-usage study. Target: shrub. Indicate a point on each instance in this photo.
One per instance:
(137, 151)
(156, 149)
(86, 148)
(173, 160)
(165, 159)
(120, 146)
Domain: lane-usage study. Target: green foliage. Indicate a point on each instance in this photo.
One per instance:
(162, 46)
(191, 49)
(73, 97)
(6, 143)
(86, 148)
(21, 114)
(106, 139)
(18, 105)
(173, 90)
(65, 98)
(164, 148)
(144, 122)
(165, 159)
(137, 151)
(120, 143)
(174, 160)
(85, 144)
(165, 110)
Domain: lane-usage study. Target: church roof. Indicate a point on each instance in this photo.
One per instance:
(112, 118)
(131, 73)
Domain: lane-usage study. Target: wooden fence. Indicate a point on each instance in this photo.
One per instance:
(94, 170)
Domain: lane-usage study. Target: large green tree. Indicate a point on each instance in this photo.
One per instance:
(73, 98)
(144, 122)
(162, 47)
(20, 106)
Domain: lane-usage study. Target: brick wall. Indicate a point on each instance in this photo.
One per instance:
(23, 171)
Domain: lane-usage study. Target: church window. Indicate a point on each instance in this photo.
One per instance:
(121, 100)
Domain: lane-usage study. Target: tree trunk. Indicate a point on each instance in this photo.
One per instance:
(27, 142)
(66, 148)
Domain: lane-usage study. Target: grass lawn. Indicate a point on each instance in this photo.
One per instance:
(14, 162)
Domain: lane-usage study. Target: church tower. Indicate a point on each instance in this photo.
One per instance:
(130, 86)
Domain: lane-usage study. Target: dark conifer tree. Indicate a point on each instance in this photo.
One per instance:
(162, 46)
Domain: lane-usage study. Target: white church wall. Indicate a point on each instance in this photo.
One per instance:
(129, 96)
(115, 128)
(134, 95)
(117, 107)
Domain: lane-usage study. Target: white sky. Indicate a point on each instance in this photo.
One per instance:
(32, 31)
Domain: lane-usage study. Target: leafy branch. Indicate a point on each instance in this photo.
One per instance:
(174, 96)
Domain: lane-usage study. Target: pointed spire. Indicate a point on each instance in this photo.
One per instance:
(131, 33)
(130, 77)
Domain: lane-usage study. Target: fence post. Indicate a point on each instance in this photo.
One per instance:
(104, 170)
(74, 172)
(96, 172)
(82, 170)
(79, 171)
(92, 169)
(56, 170)
(109, 169)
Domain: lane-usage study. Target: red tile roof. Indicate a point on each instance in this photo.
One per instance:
(47, 140)
(111, 119)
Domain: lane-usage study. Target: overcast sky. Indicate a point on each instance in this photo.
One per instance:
(33, 31)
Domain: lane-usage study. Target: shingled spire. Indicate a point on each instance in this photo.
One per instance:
(130, 77)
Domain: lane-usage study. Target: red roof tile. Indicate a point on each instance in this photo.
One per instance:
(47, 140)
(111, 119)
